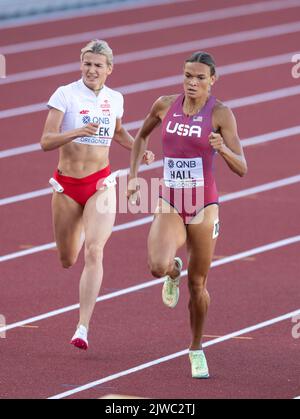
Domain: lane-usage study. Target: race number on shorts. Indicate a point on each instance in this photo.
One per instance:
(216, 231)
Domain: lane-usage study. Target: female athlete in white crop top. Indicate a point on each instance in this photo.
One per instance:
(84, 118)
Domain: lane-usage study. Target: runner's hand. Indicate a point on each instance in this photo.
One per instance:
(148, 157)
(216, 141)
(133, 191)
(89, 130)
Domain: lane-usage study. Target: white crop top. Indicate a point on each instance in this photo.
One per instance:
(81, 106)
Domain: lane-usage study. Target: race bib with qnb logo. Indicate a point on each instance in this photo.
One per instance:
(183, 173)
(105, 132)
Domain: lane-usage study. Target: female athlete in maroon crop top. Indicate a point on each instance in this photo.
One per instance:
(196, 127)
(189, 181)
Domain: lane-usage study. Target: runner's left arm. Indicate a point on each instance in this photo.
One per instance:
(227, 142)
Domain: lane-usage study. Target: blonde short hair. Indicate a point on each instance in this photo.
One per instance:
(99, 47)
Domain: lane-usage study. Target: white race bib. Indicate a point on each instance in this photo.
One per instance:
(105, 132)
(183, 173)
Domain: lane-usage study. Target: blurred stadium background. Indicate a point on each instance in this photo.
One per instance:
(12, 9)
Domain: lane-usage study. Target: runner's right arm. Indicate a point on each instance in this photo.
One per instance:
(141, 142)
(140, 146)
(52, 138)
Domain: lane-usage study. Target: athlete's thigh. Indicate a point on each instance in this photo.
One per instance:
(99, 217)
(67, 223)
(167, 235)
(202, 239)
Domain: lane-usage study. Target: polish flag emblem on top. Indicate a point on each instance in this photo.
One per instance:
(106, 105)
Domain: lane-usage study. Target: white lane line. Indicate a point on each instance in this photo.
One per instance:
(23, 110)
(20, 150)
(131, 126)
(47, 191)
(151, 26)
(163, 83)
(264, 97)
(158, 361)
(260, 139)
(95, 10)
(24, 197)
(148, 284)
(224, 70)
(271, 136)
(158, 52)
(167, 50)
(147, 220)
(262, 188)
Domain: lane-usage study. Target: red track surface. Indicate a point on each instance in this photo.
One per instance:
(134, 329)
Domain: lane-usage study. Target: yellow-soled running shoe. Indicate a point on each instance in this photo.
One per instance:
(199, 364)
(170, 291)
